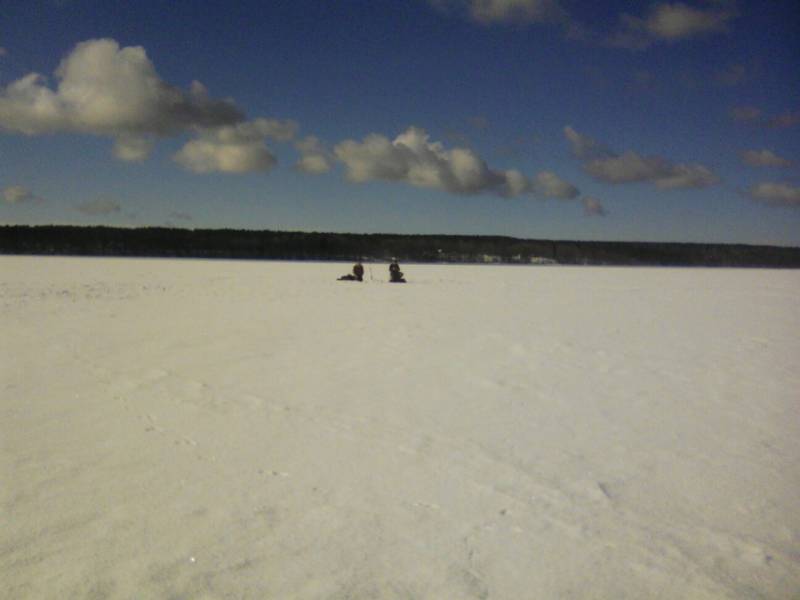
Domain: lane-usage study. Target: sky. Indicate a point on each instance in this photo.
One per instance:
(555, 119)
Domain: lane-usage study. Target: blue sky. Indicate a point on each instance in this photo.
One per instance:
(662, 121)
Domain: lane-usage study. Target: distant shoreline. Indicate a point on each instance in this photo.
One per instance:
(164, 242)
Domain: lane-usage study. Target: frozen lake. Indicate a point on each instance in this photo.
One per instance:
(215, 429)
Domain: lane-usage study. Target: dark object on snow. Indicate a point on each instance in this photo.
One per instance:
(395, 274)
(358, 274)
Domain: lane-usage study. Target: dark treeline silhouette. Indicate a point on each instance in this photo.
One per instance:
(287, 245)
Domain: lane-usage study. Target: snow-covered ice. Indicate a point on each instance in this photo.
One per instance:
(215, 429)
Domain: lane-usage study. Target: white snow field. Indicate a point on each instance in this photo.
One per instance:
(220, 429)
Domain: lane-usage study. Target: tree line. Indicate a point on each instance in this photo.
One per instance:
(295, 245)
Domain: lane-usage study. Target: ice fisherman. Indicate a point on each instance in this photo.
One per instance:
(358, 273)
(395, 274)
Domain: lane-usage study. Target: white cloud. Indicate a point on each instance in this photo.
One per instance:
(776, 194)
(629, 167)
(280, 131)
(100, 206)
(18, 194)
(132, 148)
(209, 154)
(315, 158)
(550, 185)
(236, 148)
(677, 21)
(671, 22)
(110, 91)
(521, 12)
(413, 159)
(764, 158)
(592, 207)
(516, 11)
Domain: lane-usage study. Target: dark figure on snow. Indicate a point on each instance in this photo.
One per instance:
(358, 270)
(395, 274)
(358, 273)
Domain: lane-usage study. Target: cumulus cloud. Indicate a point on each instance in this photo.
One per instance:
(98, 207)
(592, 207)
(18, 194)
(764, 158)
(239, 148)
(315, 158)
(671, 22)
(506, 11)
(413, 159)
(550, 185)
(629, 167)
(776, 194)
(208, 154)
(107, 90)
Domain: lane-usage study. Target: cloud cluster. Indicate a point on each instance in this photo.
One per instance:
(18, 194)
(413, 159)
(764, 158)
(776, 194)
(106, 90)
(665, 22)
(629, 167)
(110, 91)
(671, 22)
(236, 148)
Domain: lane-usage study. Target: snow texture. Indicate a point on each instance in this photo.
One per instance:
(213, 429)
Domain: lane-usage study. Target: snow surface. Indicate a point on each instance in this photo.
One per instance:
(214, 429)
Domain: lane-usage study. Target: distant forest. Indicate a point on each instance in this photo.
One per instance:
(288, 245)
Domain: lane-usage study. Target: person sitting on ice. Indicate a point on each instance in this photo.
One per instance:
(395, 274)
(358, 273)
(358, 270)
